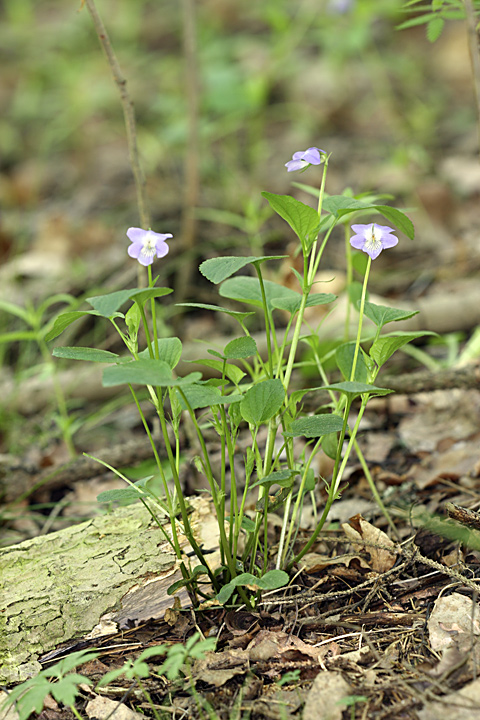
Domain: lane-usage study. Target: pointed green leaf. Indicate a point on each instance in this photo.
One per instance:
(107, 305)
(273, 579)
(67, 688)
(262, 401)
(335, 203)
(354, 389)
(232, 372)
(315, 426)
(69, 663)
(141, 296)
(133, 321)
(341, 205)
(145, 372)
(85, 353)
(169, 350)
(233, 313)
(381, 314)
(434, 29)
(384, 347)
(284, 478)
(247, 525)
(292, 304)
(66, 319)
(270, 581)
(28, 697)
(330, 445)
(242, 347)
(344, 355)
(398, 218)
(199, 396)
(247, 290)
(218, 269)
(123, 496)
(302, 218)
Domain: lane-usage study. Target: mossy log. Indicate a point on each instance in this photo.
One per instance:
(115, 568)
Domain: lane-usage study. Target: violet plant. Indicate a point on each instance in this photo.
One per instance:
(252, 388)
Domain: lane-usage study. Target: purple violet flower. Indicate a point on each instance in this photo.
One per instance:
(146, 244)
(301, 160)
(340, 7)
(372, 239)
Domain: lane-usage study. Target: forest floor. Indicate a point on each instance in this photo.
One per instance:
(375, 623)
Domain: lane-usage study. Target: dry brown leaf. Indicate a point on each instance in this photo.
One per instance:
(268, 644)
(314, 562)
(325, 697)
(454, 619)
(217, 668)
(462, 705)
(102, 708)
(364, 536)
(461, 459)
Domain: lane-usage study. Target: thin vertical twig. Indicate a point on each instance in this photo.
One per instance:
(473, 44)
(191, 164)
(129, 116)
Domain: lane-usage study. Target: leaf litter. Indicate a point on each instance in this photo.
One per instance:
(390, 626)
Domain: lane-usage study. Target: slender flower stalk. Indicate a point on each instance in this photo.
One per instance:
(360, 319)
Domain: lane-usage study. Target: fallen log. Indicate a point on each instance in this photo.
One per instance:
(103, 574)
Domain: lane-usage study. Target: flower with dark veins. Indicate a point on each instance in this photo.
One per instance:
(147, 244)
(301, 160)
(372, 239)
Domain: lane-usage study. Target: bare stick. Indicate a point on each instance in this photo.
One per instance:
(474, 53)
(129, 115)
(191, 174)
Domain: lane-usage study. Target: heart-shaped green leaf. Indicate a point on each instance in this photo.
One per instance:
(218, 269)
(262, 401)
(315, 426)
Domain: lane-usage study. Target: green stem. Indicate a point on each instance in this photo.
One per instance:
(234, 524)
(299, 499)
(333, 490)
(154, 315)
(309, 276)
(267, 318)
(213, 488)
(181, 500)
(348, 255)
(360, 320)
(59, 397)
(149, 699)
(145, 326)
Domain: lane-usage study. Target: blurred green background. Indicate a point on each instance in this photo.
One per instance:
(271, 77)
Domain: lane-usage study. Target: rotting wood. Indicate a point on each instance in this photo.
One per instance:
(114, 569)
(18, 478)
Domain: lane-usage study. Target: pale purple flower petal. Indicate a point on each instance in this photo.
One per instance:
(372, 238)
(340, 7)
(302, 159)
(147, 244)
